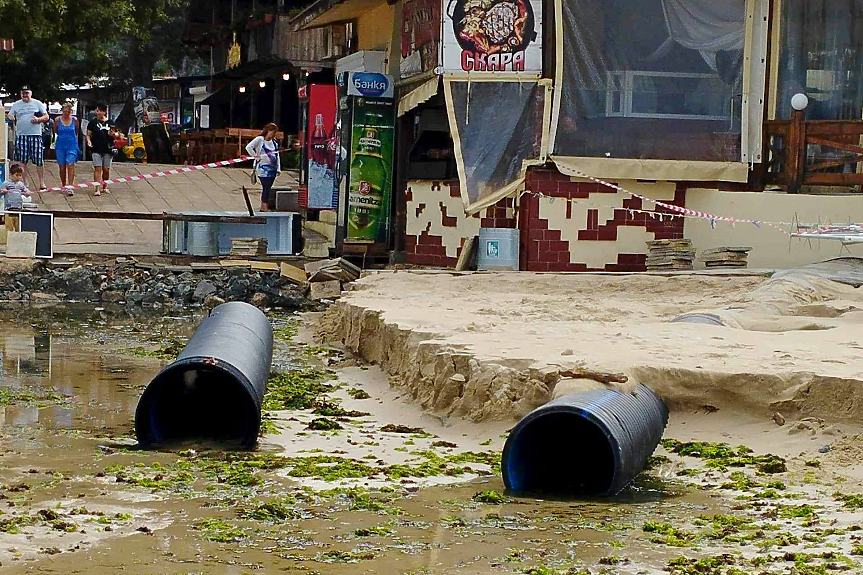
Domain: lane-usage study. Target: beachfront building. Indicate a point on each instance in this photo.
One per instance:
(508, 112)
(684, 101)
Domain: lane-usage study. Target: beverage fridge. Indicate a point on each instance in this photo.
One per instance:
(318, 144)
(364, 151)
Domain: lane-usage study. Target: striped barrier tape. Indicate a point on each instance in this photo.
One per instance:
(151, 175)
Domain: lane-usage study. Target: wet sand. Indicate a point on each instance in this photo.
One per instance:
(71, 444)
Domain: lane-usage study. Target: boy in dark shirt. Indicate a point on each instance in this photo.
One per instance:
(100, 139)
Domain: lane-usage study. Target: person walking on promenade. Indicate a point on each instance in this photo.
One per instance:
(100, 139)
(267, 162)
(28, 115)
(66, 147)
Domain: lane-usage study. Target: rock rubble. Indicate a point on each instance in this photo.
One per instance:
(131, 283)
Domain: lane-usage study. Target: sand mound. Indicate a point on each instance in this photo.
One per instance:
(493, 346)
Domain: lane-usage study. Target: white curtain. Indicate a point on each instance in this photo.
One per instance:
(708, 26)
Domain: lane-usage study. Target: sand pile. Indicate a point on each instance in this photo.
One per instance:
(492, 346)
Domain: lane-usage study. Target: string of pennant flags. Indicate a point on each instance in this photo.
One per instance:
(683, 212)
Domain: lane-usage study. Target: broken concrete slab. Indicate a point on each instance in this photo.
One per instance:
(235, 264)
(265, 266)
(21, 245)
(294, 274)
(323, 276)
(206, 266)
(326, 290)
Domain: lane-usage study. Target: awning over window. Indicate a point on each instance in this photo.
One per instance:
(332, 11)
(419, 94)
(659, 170)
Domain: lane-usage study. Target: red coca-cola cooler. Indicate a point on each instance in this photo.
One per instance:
(319, 183)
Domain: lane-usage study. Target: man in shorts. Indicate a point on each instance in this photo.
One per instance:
(100, 139)
(29, 115)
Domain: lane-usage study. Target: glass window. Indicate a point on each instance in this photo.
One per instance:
(652, 79)
(821, 55)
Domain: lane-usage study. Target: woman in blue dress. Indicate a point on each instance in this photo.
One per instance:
(66, 146)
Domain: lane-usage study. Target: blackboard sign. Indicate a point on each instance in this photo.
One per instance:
(43, 225)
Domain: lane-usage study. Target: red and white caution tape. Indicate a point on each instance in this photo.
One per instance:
(151, 175)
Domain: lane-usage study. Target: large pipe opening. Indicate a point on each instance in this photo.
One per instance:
(193, 401)
(214, 390)
(585, 443)
(559, 453)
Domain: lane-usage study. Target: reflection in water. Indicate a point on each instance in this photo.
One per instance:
(101, 392)
(26, 354)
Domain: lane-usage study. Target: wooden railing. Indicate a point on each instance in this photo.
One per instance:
(814, 152)
(216, 145)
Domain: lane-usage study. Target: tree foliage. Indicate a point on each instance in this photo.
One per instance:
(77, 41)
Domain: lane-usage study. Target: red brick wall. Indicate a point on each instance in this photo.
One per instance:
(429, 248)
(542, 249)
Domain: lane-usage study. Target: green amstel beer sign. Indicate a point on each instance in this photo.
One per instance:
(371, 172)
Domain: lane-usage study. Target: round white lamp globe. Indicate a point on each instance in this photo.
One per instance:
(799, 102)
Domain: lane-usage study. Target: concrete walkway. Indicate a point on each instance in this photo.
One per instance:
(213, 189)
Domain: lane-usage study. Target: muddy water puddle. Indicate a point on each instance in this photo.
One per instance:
(389, 490)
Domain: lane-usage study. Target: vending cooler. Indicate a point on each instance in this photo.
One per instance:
(319, 189)
(363, 148)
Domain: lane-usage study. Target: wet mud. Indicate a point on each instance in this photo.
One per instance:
(351, 476)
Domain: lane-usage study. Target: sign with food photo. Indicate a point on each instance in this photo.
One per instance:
(492, 36)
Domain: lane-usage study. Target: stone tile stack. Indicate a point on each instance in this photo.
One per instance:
(249, 247)
(664, 255)
(726, 257)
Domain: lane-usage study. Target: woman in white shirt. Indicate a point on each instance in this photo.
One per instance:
(267, 163)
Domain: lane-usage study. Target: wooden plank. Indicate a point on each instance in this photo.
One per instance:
(795, 152)
(830, 179)
(833, 163)
(144, 216)
(833, 144)
(235, 263)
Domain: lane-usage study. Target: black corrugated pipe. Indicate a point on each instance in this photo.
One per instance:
(214, 389)
(585, 443)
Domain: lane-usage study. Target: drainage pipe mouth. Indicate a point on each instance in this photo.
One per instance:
(590, 443)
(198, 399)
(214, 390)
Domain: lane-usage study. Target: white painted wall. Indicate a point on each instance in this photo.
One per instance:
(771, 248)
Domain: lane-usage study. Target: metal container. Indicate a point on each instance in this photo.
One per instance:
(176, 231)
(202, 238)
(287, 201)
(282, 230)
(214, 389)
(586, 443)
(497, 249)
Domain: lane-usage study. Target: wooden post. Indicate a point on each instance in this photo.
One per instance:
(231, 107)
(795, 151)
(277, 101)
(253, 113)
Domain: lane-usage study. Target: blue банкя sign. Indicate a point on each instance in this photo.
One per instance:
(370, 85)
